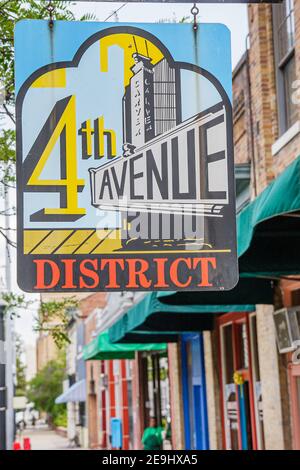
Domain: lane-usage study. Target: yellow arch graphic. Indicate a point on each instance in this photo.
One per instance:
(54, 79)
(130, 44)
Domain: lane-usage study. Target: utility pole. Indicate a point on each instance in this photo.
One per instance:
(2, 381)
(9, 330)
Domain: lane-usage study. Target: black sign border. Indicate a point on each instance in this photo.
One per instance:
(22, 273)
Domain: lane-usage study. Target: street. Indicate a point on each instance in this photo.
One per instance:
(43, 438)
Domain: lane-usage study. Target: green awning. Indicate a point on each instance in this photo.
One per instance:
(268, 229)
(268, 241)
(149, 337)
(154, 317)
(243, 297)
(101, 348)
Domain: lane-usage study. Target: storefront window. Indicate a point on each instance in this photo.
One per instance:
(242, 410)
(242, 345)
(81, 414)
(285, 66)
(228, 357)
(230, 405)
(194, 392)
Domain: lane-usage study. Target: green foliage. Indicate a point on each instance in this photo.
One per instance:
(14, 302)
(61, 419)
(20, 368)
(7, 156)
(13, 11)
(54, 317)
(7, 146)
(10, 13)
(47, 385)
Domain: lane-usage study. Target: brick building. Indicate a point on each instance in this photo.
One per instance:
(267, 138)
(253, 399)
(46, 350)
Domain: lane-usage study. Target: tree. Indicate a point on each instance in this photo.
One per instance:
(46, 386)
(20, 368)
(12, 11)
(54, 318)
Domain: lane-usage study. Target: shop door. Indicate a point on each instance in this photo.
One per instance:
(194, 392)
(294, 373)
(239, 426)
(156, 389)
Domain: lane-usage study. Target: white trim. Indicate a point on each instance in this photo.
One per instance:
(91, 315)
(2, 353)
(286, 138)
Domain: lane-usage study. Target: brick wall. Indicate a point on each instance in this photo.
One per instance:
(91, 302)
(241, 113)
(263, 92)
(292, 150)
(269, 164)
(46, 350)
(264, 95)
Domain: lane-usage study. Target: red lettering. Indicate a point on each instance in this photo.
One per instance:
(174, 271)
(40, 274)
(69, 281)
(160, 264)
(204, 265)
(89, 273)
(137, 277)
(112, 271)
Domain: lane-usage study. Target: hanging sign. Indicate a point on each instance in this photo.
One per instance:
(124, 157)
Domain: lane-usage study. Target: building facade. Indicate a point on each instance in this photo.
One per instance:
(253, 389)
(235, 384)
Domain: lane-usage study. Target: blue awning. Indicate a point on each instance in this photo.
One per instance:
(76, 393)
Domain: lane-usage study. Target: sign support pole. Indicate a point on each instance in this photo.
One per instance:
(2, 381)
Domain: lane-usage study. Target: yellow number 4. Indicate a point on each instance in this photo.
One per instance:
(61, 124)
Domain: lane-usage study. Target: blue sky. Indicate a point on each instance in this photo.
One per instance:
(233, 16)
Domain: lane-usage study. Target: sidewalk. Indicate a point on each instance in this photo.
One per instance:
(43, 438)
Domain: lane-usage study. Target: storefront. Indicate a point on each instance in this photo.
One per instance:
(242, 411)
(240, 421)
(155, 392)
(294, 378)
(287, 325)
(115, 396)
(259, 389)
(194, 392)
(188, 314)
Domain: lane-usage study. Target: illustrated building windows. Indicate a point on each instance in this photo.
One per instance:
(165, 112)
(284, 45)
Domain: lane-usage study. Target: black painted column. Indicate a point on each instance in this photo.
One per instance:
(2, 382)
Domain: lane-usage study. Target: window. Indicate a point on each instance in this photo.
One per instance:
(284, 45)
(81, 414)
(242, 185)
(242, 346)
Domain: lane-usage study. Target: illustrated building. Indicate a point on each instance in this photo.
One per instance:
(149, 103)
